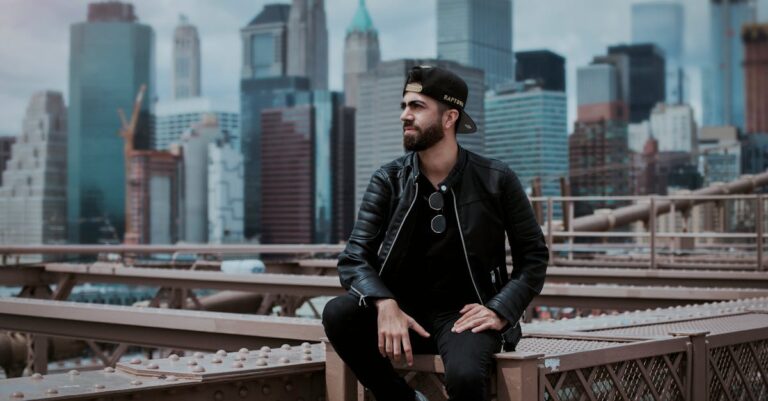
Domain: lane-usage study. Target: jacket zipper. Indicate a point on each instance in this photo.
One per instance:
(464, 246)
(397, 234)
(361, 302)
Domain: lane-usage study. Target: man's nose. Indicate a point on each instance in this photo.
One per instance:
(406, 115)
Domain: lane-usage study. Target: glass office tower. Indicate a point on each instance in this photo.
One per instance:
(477, 33)
(111, 56)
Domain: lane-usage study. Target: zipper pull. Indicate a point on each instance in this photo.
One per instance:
(493, 276)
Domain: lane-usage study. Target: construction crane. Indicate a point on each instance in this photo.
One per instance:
(128, 132)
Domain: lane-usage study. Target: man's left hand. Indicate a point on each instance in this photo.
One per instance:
(478, 318)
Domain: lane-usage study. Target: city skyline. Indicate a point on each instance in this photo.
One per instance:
(39, 36)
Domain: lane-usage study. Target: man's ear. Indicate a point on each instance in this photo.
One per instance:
(450, 118)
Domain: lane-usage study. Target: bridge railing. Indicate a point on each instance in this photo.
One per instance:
(657, 231)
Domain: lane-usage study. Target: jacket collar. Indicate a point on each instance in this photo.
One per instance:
(453, 176)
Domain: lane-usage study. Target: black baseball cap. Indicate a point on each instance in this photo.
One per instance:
(443, 86)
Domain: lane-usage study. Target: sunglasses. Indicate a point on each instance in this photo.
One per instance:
(436, 203)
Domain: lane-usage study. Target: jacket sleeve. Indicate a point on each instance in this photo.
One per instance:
(529, 253)
(358, 264)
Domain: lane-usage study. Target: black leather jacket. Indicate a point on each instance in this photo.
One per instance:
(489, 202)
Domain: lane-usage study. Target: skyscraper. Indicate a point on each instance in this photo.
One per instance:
(194, 199)
(298, 147)
(6, 143)
(153, 197)
(264, 84)
(111, 56)
(755, 39)
(477, 33)
(265, 41)
(662, 24)
(225, 192)
(308, 42)
(727, 18)
(173, 118)
(33, 196)
(674, 127)
(646, 78)
(186, 60)
(598, 154)
(527, 128)
(361, 52)
(543, 66)
(255, 96)
(378, 129)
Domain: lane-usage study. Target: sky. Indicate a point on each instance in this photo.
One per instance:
(34, 39)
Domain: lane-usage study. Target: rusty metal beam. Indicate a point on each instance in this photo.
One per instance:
(151, 327)
(645, 277)
(624, 215)
(150, 249)
(287, 284)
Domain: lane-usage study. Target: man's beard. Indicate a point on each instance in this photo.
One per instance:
(423, 139)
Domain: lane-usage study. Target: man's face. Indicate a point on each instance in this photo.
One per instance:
(422, 122)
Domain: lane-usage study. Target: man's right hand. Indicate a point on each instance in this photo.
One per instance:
(393, 330)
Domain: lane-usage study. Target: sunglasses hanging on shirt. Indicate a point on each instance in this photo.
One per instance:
(436, 203)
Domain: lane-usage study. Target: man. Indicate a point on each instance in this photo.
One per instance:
(425, 265)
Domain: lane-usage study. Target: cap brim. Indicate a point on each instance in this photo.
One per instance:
(466, 124)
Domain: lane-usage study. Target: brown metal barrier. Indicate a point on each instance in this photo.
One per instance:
(701, 352)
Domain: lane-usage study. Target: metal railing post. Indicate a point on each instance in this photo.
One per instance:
(517, 376)
(759, 235)
(697, 362)
(550, 235)
(570, 230)
(652, 227)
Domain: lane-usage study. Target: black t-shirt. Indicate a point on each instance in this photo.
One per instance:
(435, 263)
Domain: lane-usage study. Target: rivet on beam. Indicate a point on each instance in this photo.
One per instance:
(243, 350)
(218, 396)
(221, 353)
(171, 378)
(243, 392)
(198, 369)
(37, 376)
(173, 357)
(306, 345)
(284, 360)
(135, 361)
(215, 359)
(192, 362)
(136, 382)
(307, 357)
(237, 365)
(109, 369)
(265, 349)
(51, 391)
(286, 347)
(17, 394)
(74, 372)
(261, 362)
(98, 386)
(266, 389)
(199, 355)
(152, 366)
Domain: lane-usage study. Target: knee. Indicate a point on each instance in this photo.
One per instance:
(466, 382)
(337, 314)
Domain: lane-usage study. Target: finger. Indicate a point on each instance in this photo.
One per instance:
(388, 346)
(415, 326)
(482, 327)
(470, 324)
(466, 308)
(382, 349)
(396, 349)
(470, 314)
(407, 350)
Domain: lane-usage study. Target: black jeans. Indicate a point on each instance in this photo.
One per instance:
(467, 356)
